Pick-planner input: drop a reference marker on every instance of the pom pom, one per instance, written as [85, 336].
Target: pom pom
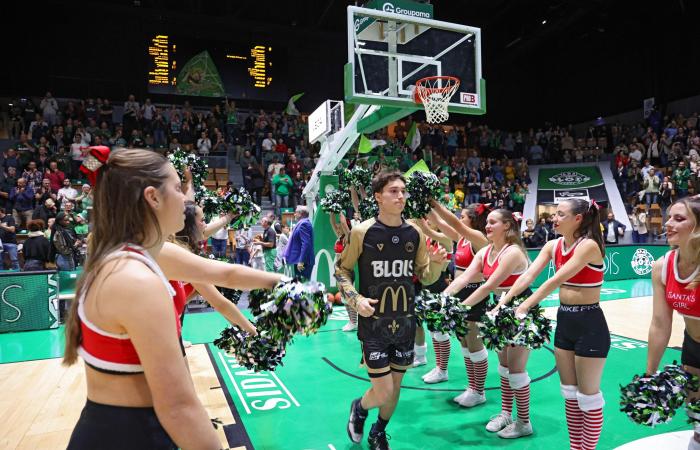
[335, 201]
[442, 313]
[240, 204]
[232, 295]
[692, 408]
[421, 188]
[293, 307]
[358, 177]
[255, 353]
[368, 208]
[505, 328]
[198, 166]
[653, 399]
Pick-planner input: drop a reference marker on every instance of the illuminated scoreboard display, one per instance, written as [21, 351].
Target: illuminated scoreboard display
[253, 71]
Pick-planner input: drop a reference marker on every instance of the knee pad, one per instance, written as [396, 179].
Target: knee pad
[440, 337]
[590, 402]
[479, 356]
[518, 380]
[569, 391]
[503, 371]
[465, 352]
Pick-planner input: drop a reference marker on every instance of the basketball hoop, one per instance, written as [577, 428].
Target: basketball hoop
[435, 94]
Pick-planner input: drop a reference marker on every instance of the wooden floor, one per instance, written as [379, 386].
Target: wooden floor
[42, 400]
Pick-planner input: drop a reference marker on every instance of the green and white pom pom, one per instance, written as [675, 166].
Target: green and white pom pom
[210, 202]
[654, 399]
[421, 188]
[442, 313]
[232, 295]
[241, 204]
[293, 308]
[198, 166]
[358, 177]
[368, 207]
[256, 353]
[505, 329]
[335, 201]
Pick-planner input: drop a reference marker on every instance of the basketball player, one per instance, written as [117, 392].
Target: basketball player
[501, 263]
[582, 339]
[671, 277]
[387, 251]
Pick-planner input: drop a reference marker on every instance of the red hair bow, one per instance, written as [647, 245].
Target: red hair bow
[592, 204]
[482, 208]
[517, 216]
[94, 161]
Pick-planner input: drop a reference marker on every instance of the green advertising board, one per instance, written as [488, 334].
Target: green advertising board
[324, 238]
[28, 301]
[569, 178]
[622, 262]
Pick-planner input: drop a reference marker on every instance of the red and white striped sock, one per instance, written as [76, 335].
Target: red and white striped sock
[438, 353]
[592, 426]
[506, 391]
[480, 360]
[522, 400]
[574, 422]
[592, 408]
[445, 349]
[469, 365]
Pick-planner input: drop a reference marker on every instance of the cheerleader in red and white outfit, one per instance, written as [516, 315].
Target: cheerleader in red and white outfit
[582, 338]
[501, 263]
[469, 233]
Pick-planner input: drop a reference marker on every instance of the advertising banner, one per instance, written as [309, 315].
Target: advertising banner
[28, 301]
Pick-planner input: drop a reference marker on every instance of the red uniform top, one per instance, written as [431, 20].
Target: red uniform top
[683, 300]
[339, 245]
[464, 254]
[590, 276]
[182, 292]
[111, 352]
[489, 269]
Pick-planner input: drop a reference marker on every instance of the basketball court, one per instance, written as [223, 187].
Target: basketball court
[304, 404]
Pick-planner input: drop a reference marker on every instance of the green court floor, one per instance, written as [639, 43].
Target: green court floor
[304, 404]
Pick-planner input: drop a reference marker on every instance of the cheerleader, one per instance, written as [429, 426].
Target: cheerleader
[437, 235]
[501, 263]
[469, 233]
[671, 277]
[342, 233]
[582, 339]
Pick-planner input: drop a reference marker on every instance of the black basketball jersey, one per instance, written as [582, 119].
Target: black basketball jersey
[387, 258]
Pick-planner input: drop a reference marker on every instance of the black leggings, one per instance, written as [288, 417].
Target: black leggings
[110, 427]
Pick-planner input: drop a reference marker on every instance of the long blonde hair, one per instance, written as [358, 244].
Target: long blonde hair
[121, 215]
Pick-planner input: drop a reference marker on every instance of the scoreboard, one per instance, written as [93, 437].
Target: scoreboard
[190, 67]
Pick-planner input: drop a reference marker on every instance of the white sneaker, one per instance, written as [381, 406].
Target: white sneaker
[435, 376]
[499, 422]
[350, 326]
[471, 398]
[429, 373]
[515, 430]
[186, 344]
[419, 361]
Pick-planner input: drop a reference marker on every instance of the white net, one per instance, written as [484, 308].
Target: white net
[435, 94]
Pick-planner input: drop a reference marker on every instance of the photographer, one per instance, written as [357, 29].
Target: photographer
[64, 243]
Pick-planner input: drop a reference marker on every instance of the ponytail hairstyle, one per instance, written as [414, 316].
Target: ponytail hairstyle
[121, 215]
[478, 213]
[692, 205]
[590, 224]
[513, 221]
[187, 237]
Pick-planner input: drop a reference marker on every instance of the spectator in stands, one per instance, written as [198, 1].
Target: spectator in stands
[273, 169]
[268, 242]
[268, 144]
[651, 186]
[33, 176]
[243, 241]
[532, 238]
[220, 144]
[300, 249]
[69, 211]
[544, 228]
[635, 153]
[293, 166]
[131, 108]
[282, 230]
[680, 180]
[620, 176]
[22, 199]
[536, 153]
[56, 177]
[219, 242]
[43, 193]
[66, 193]
[8, 183]
[283, 187]
[298, 189]
[45, 210]
[84, 200]
[638, 219]
[613, 230]
[11, 160]
[36, 248]
[8, 237]
[49, 108]
[254, 181]
[64, 243]
[203, 144]
[665, 197]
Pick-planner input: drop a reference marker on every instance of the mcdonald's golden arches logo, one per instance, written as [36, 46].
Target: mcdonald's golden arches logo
[394, 299]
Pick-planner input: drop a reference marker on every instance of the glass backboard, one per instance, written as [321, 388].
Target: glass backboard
[389, 52]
